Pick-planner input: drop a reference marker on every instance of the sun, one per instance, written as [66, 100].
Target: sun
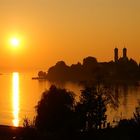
[14, 42]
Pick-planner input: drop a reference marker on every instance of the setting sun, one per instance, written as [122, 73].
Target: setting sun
[14, 42]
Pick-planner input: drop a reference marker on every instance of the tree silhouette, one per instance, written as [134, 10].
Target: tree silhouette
[42, 74]
[55, 110]
[137, 115]
[92, 107]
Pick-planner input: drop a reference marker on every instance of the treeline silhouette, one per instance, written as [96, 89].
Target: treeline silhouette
[123, 71]
[60, 116]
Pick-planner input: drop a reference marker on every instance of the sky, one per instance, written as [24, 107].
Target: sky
[69, 30]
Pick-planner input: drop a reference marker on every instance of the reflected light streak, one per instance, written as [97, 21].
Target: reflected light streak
[15, 83]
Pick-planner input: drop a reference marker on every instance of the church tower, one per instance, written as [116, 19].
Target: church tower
[116, 54]
[124, 52]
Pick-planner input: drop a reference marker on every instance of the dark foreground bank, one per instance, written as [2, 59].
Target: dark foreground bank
[19, 133]
[9, 132]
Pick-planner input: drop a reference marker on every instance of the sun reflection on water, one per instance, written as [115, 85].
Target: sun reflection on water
[15, 100]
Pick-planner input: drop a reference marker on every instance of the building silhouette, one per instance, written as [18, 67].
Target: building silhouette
[116, 54]
[124, 53]
[116, 57]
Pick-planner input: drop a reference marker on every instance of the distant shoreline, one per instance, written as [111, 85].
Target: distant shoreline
[120, 71]
[115, 82]
[39, 78]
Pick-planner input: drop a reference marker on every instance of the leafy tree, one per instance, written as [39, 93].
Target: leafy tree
[92, 107]
[55, 110]
[137, 115]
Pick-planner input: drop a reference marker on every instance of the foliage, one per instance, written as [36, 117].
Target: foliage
[92, 107]
[42, 74]
[55, 110]
[137, 114]
[27, 123]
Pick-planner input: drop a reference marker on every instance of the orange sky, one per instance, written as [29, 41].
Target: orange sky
[69, 30]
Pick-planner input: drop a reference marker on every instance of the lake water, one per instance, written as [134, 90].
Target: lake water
[19, 95]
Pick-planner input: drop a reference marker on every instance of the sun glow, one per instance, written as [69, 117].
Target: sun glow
[15, 42]
[15, 82]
